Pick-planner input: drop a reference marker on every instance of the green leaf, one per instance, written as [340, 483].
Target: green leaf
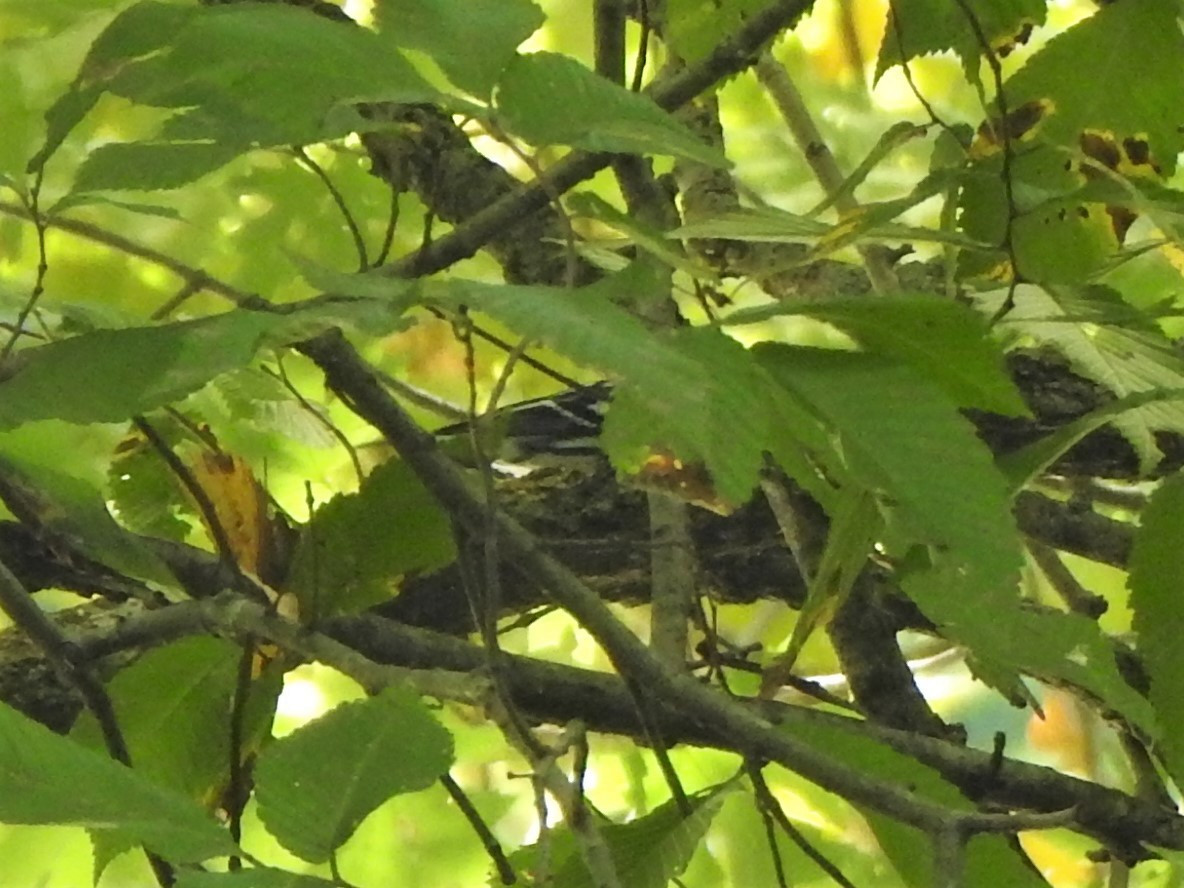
[1007, 638]
[135, 33]
[991, 862]
[694, 29]
[1156, 565]
[550, 99]
[855, 527]
[1135, 54]
[472, 42]
[358, 546]
[1023, 466]
[83, 199]
[902, 437]
[149, 166]
[75, 509]
[900, 133]
[172, 705]
[648, 852]
[920, 27]
[315, 786]
[769, 225]
[945, 342]
[1056, 236]
[110, 375]
[653, 241]
[245, 74]
[1128, 359]
[47, 779]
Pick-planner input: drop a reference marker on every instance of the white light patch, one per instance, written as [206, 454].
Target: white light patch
[300, 702]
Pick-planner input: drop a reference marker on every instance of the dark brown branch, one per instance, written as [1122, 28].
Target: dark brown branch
[556, 694]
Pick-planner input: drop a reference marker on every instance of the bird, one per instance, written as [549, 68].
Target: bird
[563, 430]
[564, 425]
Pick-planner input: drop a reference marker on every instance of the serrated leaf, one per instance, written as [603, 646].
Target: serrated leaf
[47, 779]
[945, 342]
[1136, 67]
[1024, 465]
[246, 74]
[1009, 638]
[647, 852]
[173, 704]
[550, 99]
[472, 42]
[151, 166]
[358, 546]
[920, 27]
[259, 401]
[136, 32]
[110, 375]
[1156, 565]
[901, 436]
[1129, 359]
[315, 786]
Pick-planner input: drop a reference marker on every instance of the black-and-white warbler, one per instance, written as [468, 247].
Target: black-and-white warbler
[566, 424]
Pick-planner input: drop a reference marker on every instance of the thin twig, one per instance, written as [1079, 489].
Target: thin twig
[785, 95]
[488, 840]
[768, 802]
[339, 200]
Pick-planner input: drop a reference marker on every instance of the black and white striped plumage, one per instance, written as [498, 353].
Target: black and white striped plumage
[564, 424]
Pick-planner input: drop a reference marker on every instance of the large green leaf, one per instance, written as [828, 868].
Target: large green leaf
[919, 27]
[1157, 563]
[550, 99]
[904, 439]
[137, 32]
[647, 852]
[358, 546]
[110, 375]
[1133, 72]
[315, 786]
[1007, 637]
[148, 166]
[945, 342]
[47, 779]
[173, 704]
[245, 74]
[471, 40]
